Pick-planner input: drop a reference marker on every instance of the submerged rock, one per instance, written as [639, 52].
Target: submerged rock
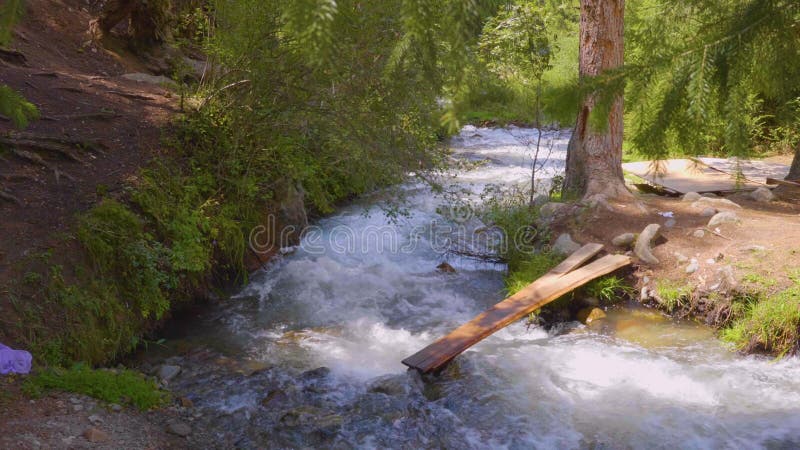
[391, 385]
[565, 245]
[643, 249]
[446, 268]
[589, 315]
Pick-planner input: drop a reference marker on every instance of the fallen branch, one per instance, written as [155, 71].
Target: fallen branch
[717, 234]
[46, 146]
[133, 96]
[220, 90]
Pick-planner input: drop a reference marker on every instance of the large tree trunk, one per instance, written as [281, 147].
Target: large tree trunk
[794, 171]
[594, 156]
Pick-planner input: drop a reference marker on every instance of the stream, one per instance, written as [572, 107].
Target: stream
[308, 354]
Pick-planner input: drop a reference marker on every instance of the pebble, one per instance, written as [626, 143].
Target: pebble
[670, 223]
[681, 258]
[115, 407]
[95, 419]
[692, 267]
[168, 372]
[700, 234]
[95, 435]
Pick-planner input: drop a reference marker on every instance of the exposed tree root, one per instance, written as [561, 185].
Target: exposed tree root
[13, 57]
[52, 144]
[5, 195]
[132, 96]
[36, 159]
[44, 146]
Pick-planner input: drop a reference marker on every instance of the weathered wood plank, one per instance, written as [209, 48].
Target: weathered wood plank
[561, 280]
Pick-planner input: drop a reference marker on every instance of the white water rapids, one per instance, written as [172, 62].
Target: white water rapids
[360, 295]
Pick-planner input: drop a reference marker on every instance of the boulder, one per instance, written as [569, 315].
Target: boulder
[565, 245]
[643, 248]
[714, 202]
[723, 217]
[763, 195]
[624, 240]
[691, 197]
[589, 315]
[549, 210]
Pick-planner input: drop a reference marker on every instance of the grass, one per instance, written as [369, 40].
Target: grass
[117, 386]
[529, 269]
[672, 294]
[767, 322]
[609, 289]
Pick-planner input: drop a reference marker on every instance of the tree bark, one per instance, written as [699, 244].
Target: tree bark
[794, 171]
[594, 157]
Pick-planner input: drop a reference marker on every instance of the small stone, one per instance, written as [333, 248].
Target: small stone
[446, 268]
[699, 234]
[168, 372]
[589, 315]
[179, 429]
[670, 223]
[691, 197]
[643, 248]
[723, 217]
[74, 400]
[95, 435]
[565, 245]
[692, 267]
[186, 402]
[116, 408]
[681, 258]
[708, 212]
[763, 195]
[624, 240]
[711, 261]
[95, 419]
[77, 408]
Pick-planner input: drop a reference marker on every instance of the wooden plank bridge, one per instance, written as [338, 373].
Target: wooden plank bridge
[564, 278]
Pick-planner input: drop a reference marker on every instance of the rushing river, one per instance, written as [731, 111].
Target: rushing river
[308, 354]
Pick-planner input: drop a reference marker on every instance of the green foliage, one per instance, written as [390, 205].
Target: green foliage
[15, 107]
[529, 269]
[113, 386]
[672, 294]
[609, 289]
[11, 12]
[766, 322]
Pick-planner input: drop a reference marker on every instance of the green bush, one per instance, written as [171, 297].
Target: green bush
[768, 323]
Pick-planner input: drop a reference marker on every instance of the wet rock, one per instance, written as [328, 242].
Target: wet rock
[167, 372]
[589, 315]
[179, 429]
[643, 249]
[315, 374]
[446, 268]
[763, 195]
[186, 402]
[691, 197]
[391, 385]
[624, 240]
[723, 217]
[565, 245]
[273, 397]
[310, 416]
[693, 267]
[699, 234]
[95, 435]
[591, 301]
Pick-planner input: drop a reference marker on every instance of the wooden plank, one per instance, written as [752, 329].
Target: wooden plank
[686, 175]
[753, 170]
[554, 284]
[793, 184]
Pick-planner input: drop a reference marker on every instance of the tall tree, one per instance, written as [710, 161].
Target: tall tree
[594, 155]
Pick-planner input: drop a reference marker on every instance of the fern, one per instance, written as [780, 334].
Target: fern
[15, 107]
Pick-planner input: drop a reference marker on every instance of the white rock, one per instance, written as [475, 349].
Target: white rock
[762, 194]
[708, 212]
[643, 249]
[681, 258]
[699, 234]
[168, 372]
[692, 267]
[719, 203]
[723, 217]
